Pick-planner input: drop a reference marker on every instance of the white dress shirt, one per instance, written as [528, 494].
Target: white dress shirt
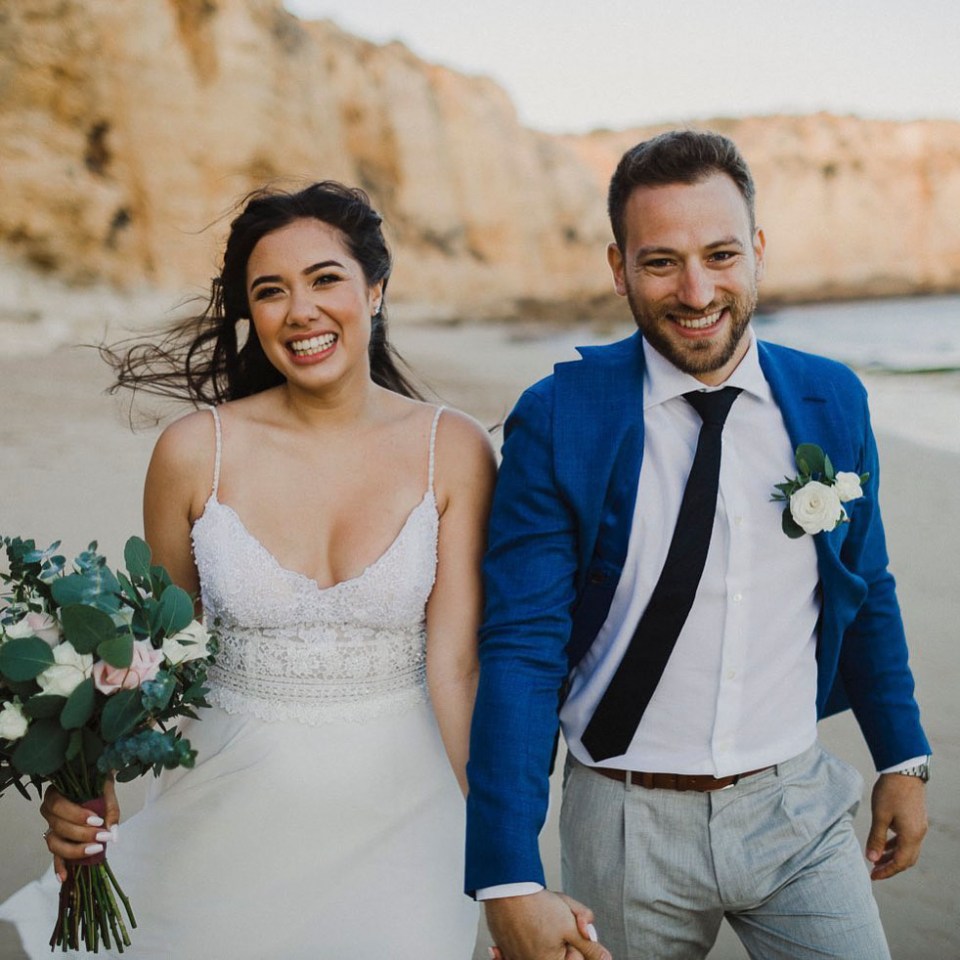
[739, 690]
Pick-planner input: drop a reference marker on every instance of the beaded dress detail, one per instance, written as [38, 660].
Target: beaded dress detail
[292, 650]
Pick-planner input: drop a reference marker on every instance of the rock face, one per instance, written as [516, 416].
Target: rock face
[129, 130]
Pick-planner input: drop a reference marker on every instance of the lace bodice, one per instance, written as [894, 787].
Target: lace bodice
[292, 650]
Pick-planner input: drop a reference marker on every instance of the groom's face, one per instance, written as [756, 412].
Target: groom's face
[690, 272]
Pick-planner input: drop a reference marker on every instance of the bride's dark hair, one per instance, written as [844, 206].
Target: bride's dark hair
[205, 358]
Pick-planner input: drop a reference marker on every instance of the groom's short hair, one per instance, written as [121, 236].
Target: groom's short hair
[678, 156]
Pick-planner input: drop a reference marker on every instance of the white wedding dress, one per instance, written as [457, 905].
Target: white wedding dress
[322, 819]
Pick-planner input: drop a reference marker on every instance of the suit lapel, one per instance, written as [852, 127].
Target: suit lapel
[813, 413]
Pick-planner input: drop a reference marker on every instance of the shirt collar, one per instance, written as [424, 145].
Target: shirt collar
[663, 381]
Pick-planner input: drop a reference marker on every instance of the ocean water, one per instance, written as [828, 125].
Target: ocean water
[907, 335]
[907, 351]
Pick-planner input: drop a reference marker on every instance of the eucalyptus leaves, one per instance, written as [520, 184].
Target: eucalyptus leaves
[815, 497]
[93, 668]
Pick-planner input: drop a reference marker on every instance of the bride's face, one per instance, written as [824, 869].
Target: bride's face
[311, 305]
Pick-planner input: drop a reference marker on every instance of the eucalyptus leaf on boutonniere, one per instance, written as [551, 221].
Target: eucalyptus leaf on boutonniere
[815, 497]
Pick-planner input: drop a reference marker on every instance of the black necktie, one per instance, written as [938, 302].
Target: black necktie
[614, 722]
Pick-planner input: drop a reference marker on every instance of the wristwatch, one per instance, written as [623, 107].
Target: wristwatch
[919, 770]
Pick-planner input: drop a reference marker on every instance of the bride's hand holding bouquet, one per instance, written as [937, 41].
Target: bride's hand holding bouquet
[94, 666]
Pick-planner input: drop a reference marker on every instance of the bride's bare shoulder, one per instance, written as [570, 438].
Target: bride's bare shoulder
[465, 460]
[184, 457]
[187, 438]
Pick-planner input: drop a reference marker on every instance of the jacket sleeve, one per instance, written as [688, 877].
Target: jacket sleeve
[529, 579]
[873, 667]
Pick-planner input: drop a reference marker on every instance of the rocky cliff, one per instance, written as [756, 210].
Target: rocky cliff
[128, 130]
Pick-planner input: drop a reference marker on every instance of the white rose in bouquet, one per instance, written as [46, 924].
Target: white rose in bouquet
[189, 644]
[13, 723]
[816, 507]
[69, 670]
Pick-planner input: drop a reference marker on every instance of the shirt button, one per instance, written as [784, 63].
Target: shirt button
[731, 674]
[737, 597]
[738, 520]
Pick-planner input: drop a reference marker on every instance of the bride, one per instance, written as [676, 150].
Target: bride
[332, 523]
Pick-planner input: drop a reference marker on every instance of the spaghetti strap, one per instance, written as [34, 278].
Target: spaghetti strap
[216, 464]
[433, 444]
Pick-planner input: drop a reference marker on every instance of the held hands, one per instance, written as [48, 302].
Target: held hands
[74, 831]
[542, 926]
[899, 807]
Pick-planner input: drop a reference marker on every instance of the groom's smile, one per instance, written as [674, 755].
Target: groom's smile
[697, 323]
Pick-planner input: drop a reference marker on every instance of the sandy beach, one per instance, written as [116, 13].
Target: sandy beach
[72, 470]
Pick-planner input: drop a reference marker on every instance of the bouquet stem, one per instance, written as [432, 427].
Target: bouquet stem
[89, 911]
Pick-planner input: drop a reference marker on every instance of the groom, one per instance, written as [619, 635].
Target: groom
[639, 574]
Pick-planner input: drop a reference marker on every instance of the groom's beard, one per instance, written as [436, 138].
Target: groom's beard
[695, 356]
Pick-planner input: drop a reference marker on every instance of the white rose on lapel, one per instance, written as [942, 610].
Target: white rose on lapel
[815, 507]
[848, 487]
[815, 497]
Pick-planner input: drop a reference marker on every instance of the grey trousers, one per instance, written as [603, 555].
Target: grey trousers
[775, 854]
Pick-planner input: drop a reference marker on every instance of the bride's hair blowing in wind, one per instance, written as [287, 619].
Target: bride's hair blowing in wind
[216, 356]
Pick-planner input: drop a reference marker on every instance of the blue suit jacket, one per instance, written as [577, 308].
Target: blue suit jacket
[558, 536]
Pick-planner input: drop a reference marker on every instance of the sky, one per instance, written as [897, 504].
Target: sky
[578, 65]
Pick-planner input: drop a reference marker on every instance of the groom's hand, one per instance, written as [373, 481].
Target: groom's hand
[899, 824]
[542, 926]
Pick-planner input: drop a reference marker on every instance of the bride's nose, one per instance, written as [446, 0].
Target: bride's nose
[303, 308]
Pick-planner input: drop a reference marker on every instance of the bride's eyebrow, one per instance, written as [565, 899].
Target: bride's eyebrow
[276, 278]
[321, 266]
[272, 278]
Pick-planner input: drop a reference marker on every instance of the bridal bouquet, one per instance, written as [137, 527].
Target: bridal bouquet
[94, 665]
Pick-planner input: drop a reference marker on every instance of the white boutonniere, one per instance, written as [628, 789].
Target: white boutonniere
[815, 497]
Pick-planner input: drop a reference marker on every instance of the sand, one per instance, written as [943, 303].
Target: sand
[72, 470]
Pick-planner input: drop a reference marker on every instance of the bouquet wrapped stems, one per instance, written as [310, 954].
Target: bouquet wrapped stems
[88, 909]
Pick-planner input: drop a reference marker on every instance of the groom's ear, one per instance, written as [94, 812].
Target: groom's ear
[615, 259]
[759, 248]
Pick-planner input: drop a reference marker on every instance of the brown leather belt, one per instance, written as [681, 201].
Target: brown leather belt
[701, 783]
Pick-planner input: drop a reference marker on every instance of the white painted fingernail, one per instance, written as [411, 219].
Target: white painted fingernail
[94, 821]
[592, 932]
[104, 836]
[93, 848]
[115, 833]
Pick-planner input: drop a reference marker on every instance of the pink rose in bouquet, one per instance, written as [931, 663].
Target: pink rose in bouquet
[144, 666]
[35, 624]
